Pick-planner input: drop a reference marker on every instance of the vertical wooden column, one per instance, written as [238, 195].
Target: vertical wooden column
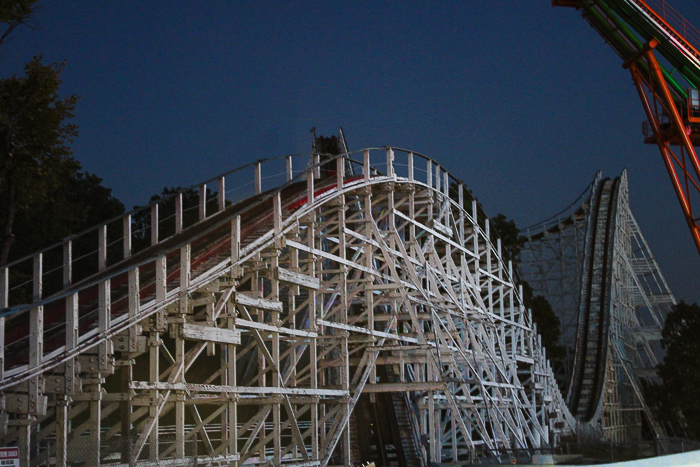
[95, 421]
[290, 173]
[453, 421]
[134, 305]
[71, 381]
[222, 193]
[176, 333]
[366, 168]
[235, 246]
[340, 172]
[317, 166]
[275, 337]
[62, 404]
[475, 235]
[369, 260]
[228, 356]
[231, 349]
[344, 350]
[67, 263]
[202, 202]
[258, 177]
[390, 163]
[489, 280]
[309, 187]
[437, 179]
[4, 303]
[154, 343]
[317, 410]
[412, 246]
[104, 350]
[24, 439]
[154, 224]
[429, 177]
[463, 266]
[36, 335]
[126, 236]
[178, 212]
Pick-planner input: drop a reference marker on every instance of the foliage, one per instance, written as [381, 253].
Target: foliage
[680, 371]
[13, 13]
[510, 236]
[548, 324]
[77, 202]
[34, 155]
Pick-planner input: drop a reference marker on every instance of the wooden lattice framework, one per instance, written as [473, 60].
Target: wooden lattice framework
[248, 335]
[636, 303]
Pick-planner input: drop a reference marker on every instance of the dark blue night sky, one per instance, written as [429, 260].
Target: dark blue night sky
[522, 101]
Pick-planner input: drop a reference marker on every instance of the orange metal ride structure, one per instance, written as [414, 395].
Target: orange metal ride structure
[639, 30]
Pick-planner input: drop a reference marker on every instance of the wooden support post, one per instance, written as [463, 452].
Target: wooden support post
[37, 283]
[429, 169]
[71, 381]
[366, 168]
[461, 213]
[316, 408]
[258, 177]
[153, 377]
[4, 287]
[102, 247]
[437, 178]
[276, 364]
[178, 212]
[4, 301]
[71, 373]
[154, 224]
[343, 318]
[36, 336]
[317, 166]
[277, 214]
[24, 441]
[126, 236]
[62, 431]
[2, 355]
[202, 202]
[235, 246]
[104, 323]
[290, 173]
[154, 344]
[185, 253]
[309, 187]
[446, 183]
[125, 414]
[410, 166]
[340, 172]
[222, 193]
[67, 263]
[179, 377]
[134, 305]
[390, 163]
[93, 455]
[161, 291]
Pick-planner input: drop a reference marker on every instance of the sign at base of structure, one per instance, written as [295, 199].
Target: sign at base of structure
[9, 457]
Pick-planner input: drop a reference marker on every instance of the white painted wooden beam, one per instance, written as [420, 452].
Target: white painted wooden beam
[210, 334]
